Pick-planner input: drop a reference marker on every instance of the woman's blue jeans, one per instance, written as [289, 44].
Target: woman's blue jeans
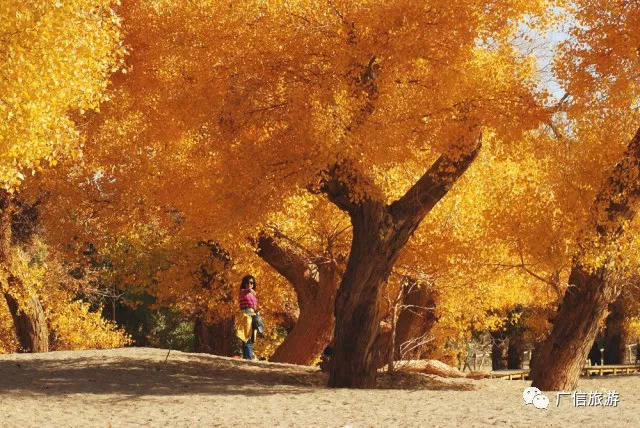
[247, 349]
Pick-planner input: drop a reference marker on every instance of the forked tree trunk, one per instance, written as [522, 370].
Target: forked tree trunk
[216, 338]
[558, 360]
[315, 285]
[380, 232]
[30, 324]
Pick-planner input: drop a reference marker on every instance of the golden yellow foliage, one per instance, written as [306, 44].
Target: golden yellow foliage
[242, 106]
[55, 58]
[72, 324]
[76, 327]
[228, 112]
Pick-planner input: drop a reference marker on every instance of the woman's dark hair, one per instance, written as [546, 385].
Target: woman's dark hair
[246, 280]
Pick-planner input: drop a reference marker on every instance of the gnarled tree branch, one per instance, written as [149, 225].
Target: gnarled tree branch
[291, 265]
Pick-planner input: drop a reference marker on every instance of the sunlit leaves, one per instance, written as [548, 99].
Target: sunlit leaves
[55, 58]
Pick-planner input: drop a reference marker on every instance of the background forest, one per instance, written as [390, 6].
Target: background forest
[406, 179]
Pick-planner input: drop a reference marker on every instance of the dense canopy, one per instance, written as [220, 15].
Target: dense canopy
[340, 151]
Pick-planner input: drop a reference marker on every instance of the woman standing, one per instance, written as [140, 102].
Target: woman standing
[248, 306]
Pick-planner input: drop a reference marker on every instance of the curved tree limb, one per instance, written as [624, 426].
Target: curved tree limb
[297, 269]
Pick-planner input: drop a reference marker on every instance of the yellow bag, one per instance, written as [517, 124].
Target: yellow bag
[243, 326]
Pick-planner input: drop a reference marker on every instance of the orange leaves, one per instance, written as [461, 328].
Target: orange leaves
[227, 113]
[268, 95]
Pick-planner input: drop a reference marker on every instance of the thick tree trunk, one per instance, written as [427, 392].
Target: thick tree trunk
[315, 285]
[217, 338]
[309, 336]
[515, 351]
[375, 247]
[380, 232]
[31, 325]
[498, 350]
[615, 338]
[558, 360]
[357, 312]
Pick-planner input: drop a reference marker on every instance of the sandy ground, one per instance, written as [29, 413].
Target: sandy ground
[135, 386]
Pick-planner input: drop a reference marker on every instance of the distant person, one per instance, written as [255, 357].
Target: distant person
[250, 321]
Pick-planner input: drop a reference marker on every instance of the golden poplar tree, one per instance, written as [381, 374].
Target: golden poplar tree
[55, 58]
[244, 105]
[600, 65]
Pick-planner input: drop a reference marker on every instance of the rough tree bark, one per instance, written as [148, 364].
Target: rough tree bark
[615, 338]
[315, 282]
[30, 325]
[558, 360]
[380, 232]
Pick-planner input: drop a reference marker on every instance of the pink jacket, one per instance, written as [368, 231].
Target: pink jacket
[248, 299]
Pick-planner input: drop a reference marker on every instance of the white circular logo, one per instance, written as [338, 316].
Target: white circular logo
[540, 401]
[530, 393]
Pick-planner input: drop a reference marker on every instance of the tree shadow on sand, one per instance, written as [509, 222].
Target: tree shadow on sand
[133, 377]
[136, 372]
